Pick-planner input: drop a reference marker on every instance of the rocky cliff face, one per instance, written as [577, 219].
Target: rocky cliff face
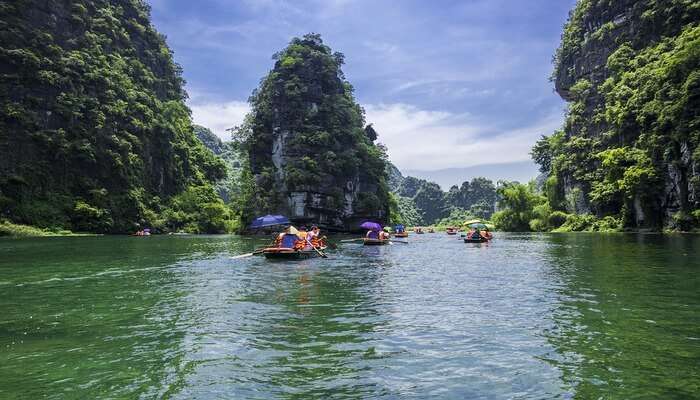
[308, 149]
[621, 66]
[94, 132]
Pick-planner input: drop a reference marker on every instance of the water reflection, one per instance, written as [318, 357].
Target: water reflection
[528, 316]
[628, 317]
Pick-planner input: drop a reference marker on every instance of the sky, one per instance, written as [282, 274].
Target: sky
[447, 84]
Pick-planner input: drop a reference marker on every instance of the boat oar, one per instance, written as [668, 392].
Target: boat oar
[328, 243]
[351, 240]
[397, 241]
[259, 251]
[320, 253]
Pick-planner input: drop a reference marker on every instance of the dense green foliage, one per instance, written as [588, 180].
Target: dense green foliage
[403, 211]
[523, 208]
[519, 203]
[305, 114]
[94, 132]
[630, 149]
[209, 139]
[473, 199]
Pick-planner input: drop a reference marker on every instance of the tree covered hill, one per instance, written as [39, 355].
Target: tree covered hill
[94, 131]
[307, 147]
[629, 151]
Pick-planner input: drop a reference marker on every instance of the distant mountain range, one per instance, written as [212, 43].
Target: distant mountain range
[523, 172]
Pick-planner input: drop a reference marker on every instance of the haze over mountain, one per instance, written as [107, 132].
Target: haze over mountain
[518, 171]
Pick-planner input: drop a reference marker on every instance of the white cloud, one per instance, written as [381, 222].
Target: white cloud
[430, 140]
[220, 116]
[417, 138]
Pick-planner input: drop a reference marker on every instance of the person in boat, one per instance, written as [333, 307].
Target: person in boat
[314, 237]
[475, 235]
[372, 234]
[486, 234]
[383, 235]
[288, 239]
[304, 238]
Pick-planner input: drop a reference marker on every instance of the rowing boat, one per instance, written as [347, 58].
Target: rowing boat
[375, 242]
[283, 253]
[401, 234]
[479, 240]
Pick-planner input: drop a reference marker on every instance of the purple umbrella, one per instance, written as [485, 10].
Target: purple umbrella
[372, 226]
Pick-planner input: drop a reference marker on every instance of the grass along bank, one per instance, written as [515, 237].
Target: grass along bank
[8, 229]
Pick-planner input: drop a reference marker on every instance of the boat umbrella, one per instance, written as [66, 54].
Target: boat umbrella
[372, 226]
[480, 226]
[473, 221]
[269, 220]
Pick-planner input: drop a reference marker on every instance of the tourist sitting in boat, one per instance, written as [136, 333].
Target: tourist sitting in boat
[384, 235]
[474, 235]
[372, 234]
[304, 239]
[288, 239]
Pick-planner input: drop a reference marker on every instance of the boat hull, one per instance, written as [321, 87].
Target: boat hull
[374, 242]
[480, 240]
[401, 235]
[288, 254]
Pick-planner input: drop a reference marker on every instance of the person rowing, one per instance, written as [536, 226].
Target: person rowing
[314, 237]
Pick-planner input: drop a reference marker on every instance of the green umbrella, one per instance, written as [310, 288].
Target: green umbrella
[480, 226]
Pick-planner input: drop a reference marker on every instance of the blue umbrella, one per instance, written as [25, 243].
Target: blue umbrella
[269, 220]
[372, 226]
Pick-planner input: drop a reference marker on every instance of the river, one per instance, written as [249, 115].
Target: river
[527, 316]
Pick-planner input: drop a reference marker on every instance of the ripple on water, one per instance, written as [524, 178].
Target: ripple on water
[526, 316]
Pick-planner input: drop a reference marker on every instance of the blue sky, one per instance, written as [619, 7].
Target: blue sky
[448, 84]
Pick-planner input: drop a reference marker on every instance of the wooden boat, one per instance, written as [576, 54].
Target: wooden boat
[375, 242]
[420, 232]
[401, 234]
[479, 240]
[431, 230]
[284, 253]
[451, 231]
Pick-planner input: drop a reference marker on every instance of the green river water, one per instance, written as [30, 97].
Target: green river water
[528, 316]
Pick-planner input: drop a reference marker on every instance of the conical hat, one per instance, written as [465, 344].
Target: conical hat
[292, 230]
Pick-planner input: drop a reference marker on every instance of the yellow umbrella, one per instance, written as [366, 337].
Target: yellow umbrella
[473, 221]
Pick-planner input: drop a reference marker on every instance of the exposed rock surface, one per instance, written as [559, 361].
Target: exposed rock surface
[309, 151]
[595, 31]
